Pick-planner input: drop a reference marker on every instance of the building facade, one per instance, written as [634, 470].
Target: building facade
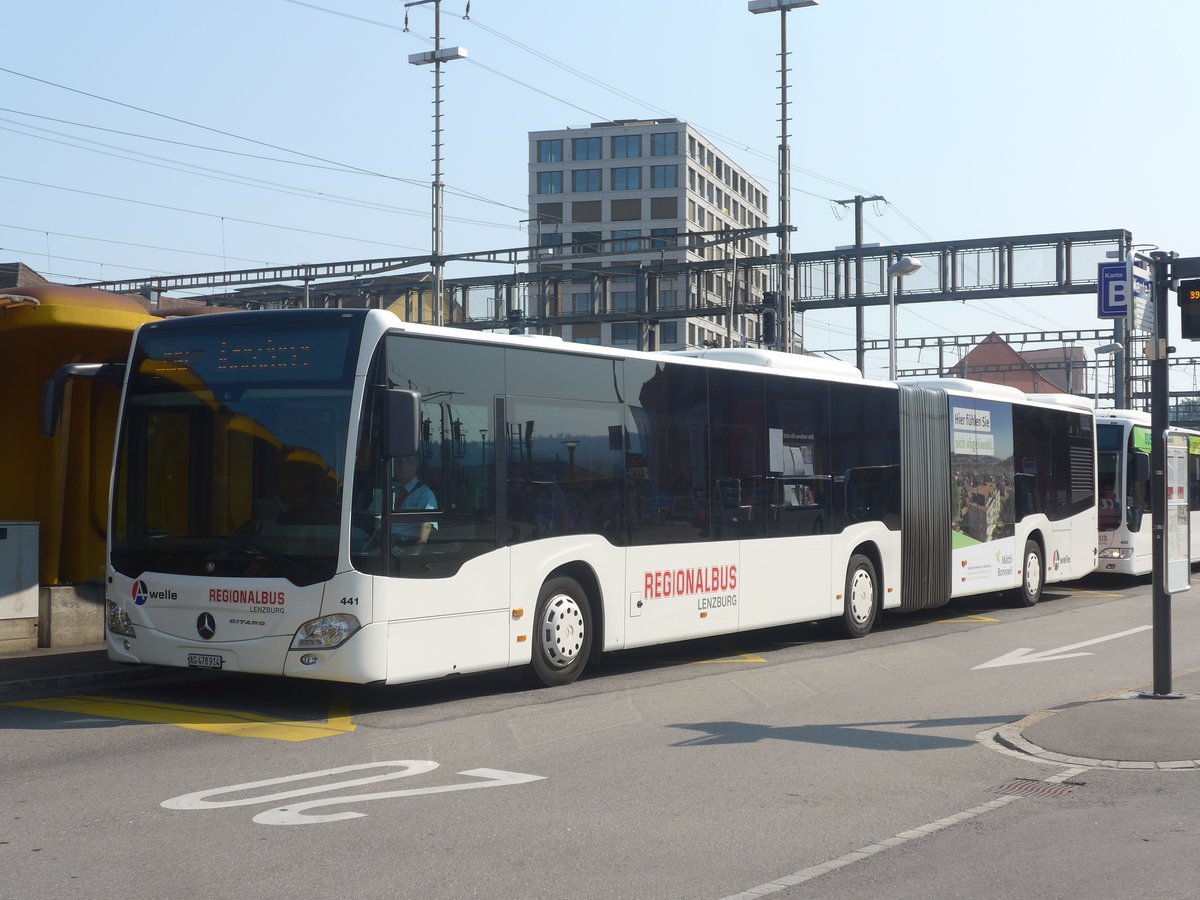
[607, 206]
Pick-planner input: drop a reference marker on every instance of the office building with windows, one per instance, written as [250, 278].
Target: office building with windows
[628, 189]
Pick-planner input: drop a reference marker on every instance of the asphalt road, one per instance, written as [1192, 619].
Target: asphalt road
[707, 769]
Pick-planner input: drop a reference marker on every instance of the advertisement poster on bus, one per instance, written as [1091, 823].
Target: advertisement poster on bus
[982, 511]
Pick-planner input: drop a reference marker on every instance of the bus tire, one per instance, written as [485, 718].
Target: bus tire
[862, 598]
[1033, 575]
[562, 633]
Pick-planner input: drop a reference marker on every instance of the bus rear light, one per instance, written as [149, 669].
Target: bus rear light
[119, 621]
[326, 632]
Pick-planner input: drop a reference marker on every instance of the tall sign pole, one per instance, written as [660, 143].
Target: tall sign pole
[1160, 398]
[1168, 459]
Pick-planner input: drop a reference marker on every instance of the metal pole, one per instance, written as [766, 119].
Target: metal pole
[437, 57]
[1160, 396]
[891, 284]
[1121, 336]
[733, 287]
[784, 329]
[860, 352]
[436, 265]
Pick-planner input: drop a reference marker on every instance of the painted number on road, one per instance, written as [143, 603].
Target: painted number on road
[299, 813]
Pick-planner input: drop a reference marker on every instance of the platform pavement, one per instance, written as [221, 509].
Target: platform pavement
[1128, 729]
[1124, 730]
[31, 672]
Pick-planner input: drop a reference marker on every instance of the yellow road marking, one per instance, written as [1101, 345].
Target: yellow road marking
[1087, 593]
[736, 658]
[196, 718]
[965, 618]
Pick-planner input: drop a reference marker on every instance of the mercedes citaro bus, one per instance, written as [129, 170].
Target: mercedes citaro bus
[584, 499]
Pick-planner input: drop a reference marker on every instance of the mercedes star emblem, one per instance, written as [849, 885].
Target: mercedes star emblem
[206, 625]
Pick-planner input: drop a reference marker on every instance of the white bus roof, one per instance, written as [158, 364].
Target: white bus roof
[1071, 401]
[797, 364]
[1124, 416]
[773, 359]
[1002, 392]
[967, 386]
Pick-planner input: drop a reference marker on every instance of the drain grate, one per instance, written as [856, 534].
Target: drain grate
[1029, 787]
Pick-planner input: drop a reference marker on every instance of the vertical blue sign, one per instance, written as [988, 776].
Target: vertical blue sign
[1113, 291]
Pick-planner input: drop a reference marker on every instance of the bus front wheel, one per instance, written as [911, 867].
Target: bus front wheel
[1033, 575]
[862, 598]
[562, 632]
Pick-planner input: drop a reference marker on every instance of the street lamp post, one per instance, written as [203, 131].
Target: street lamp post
[570, 445]
[905, 265]
[436, 57]
[783, 337]
[1114, 347]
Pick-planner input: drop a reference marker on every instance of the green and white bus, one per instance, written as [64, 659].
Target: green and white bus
[1123, 440]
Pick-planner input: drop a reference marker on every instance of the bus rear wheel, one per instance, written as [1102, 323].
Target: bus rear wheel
[862, 598]
[1033, 575]
[562, 632]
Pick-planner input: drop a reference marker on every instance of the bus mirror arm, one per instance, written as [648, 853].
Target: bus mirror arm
[56, 385]
[402, 422]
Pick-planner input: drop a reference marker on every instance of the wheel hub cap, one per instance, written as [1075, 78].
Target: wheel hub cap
[562, 630]
[862, 596]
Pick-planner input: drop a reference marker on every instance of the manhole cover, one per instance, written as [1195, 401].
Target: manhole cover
[1029, 787]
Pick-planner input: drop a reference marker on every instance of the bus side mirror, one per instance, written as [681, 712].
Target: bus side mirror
[402, 422]
[1141, 465]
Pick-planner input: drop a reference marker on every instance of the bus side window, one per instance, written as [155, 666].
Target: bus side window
[1193, 481]
[1025, 490]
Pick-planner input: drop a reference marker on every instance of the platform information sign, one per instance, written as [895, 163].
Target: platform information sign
[1178, 538]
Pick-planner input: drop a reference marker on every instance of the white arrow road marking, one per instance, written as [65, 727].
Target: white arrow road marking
[295, 814]
[199, 799]
[1027, 654]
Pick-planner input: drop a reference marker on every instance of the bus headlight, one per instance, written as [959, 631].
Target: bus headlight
[325, 633]
[118, 620]
[1117, 553]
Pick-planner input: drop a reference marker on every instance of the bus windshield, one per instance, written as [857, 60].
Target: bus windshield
[231, 453]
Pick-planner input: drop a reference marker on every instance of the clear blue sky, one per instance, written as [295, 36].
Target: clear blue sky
[973, 119]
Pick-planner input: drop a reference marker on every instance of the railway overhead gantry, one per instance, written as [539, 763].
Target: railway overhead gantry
[530, 294]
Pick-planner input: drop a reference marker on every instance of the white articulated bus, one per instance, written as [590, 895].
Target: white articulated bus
[337, 494]
[1123, 442]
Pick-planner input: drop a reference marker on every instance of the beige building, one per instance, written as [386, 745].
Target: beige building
[635, 186]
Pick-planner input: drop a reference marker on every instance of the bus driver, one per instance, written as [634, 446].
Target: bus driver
[410, 493]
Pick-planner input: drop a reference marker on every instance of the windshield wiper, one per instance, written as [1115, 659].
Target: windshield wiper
[291, 566]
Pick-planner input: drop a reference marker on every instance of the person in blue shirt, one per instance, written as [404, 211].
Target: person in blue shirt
[410, 493]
